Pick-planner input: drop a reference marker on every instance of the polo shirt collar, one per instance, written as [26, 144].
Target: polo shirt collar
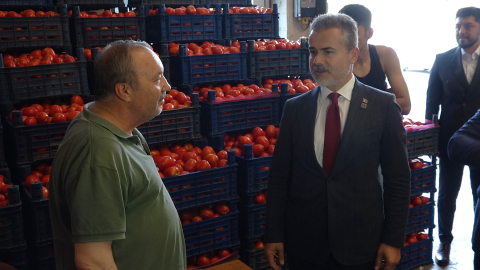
[89, 115]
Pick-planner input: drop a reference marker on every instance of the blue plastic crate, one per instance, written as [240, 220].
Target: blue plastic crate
[197, 69]
[416, 254]
[25, 3]
[221, 117]
[11, 223]
[424, 172]
[248, 198]
[17, 257]
[252, 220]
[421, 217]
[88, 32]
[183, 124]
[212, 234]
[44, 81]
[423, 185]
[163, 28]
[277, 62]
[46, 264]
[37, 209]
[170, 3]
[423, 142]
[239, 3]
[250, 26]
[38, 31]
[198, 188]
[92, 3]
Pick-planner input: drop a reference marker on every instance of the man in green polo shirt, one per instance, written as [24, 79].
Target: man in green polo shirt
[109, 207]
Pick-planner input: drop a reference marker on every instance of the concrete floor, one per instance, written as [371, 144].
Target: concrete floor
[461, 253]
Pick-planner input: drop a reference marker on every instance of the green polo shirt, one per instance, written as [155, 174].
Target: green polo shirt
[104, 186]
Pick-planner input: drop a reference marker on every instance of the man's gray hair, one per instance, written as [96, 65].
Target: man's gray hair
[340, 21]
[114, 64]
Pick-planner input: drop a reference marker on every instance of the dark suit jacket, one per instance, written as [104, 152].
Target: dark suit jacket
[448, 86]
[464, 147]
[343, 213]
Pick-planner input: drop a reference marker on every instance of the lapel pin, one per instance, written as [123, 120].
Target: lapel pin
[364, 103]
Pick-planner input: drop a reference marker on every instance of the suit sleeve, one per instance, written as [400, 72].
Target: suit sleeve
[396, 177]
[464, 146]
[278, 178]
[434, 92]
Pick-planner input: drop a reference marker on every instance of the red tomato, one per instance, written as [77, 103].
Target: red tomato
[256, 132]
[203, 165]
[55, 109]
[72, 115]
[45, 180]
[203, 261]
[186, 215]
[222, 163]
[30, 121]
[212, 159]
[42, 117]
[424, 199]
[189, 155]
[171, 171]
[36, 173]
[272, 141]
[242, 140]
[168, 106]
[263, 141]
[180, 11]
[30, 111]
[207, 150]
[222, 209]
[59, 117]
[45, 192]
[163, 162]
[30, 179]
[270, 131]
[181, 98]
[130, 14]
[206, 213]
[270, 149]
[422, 236]
[259, 245]
[260, 198]
[258, 150]
[48, 169]
[222, 154]
[416, 201]
[48, 51]
[412, 240]
[190, 165]
[191, 10]
[214, 259]
[223, 253]
[196, 219]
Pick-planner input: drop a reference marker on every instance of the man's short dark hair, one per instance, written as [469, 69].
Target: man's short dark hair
[114, 64]
[359, 13]
[469, 11]
[340, 21]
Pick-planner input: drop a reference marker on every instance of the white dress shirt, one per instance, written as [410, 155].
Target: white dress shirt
[322, 106]
[469, 62]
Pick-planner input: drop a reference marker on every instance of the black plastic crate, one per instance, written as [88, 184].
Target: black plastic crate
[277, 62]
[183, 124]
[257, 260]
[284, 96]
[47, 264]
[239, 3]
[38, 31]
[231, 115]
[26, 3]
[11, 223]
[163, 28]
[92, 3]
[31, 143]
[41, 252]
[36, 210]
[248, 198]
[198, 188]
[15, 257]
[212, 234]
[423, 142]
[44, 81]
[250, 26]
[197, 69]
[252, 220]
[3, 162]
[88, 32]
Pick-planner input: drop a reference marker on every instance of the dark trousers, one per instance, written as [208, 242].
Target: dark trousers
[332, 264]
[476, 261]
[449, 185]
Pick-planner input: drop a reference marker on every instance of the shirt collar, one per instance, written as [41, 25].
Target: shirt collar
[473, 56]
[345, 91]
[89, 115]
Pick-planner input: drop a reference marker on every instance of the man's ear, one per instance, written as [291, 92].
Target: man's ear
[123, 91]
[369, 33]
[354, 55]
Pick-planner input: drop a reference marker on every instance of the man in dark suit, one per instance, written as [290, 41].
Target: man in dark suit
[455, 84]
[326, 206]
[464, 148]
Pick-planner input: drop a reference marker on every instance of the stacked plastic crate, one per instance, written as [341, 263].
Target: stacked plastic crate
[421, 140]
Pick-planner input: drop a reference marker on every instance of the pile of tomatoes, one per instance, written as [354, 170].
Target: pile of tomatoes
[3, 191]
[417, 163]
[203, 213]
[295, 85]
[415, 237]
[226, 91]
[206, 48]
[262, 141]
[46, 56]
[41, 174]
[105, 14]
[50, 113]
[28, 13]
[279, 44]
[249, 10]
[407, 122]
[176, 100]
[419, 200]
[178, 160]
[207, 258]
[190, 10]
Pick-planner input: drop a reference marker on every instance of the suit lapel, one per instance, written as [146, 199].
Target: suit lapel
[457, 66]
[309, 114]
[474, 85]
[354, 120]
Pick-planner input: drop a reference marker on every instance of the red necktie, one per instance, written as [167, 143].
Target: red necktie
[332, 133]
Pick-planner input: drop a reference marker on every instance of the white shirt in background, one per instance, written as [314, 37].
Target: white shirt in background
[470, 62]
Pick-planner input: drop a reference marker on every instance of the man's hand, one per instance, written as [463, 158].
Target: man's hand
[272, 250]
[387, 257]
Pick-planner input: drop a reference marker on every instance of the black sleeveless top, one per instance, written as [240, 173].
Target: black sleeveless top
[376, 77]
